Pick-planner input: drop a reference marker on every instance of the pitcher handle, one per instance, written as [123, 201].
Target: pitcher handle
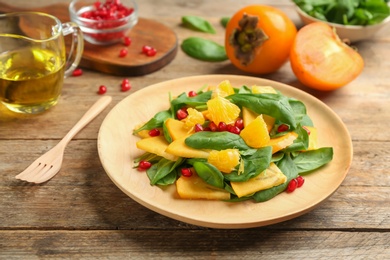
[77, 47]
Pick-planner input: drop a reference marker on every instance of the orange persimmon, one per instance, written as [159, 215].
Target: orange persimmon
[258, 39]
[320, 60]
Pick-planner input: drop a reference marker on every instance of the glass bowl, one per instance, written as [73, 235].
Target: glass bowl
[352, 33]
[104, 22]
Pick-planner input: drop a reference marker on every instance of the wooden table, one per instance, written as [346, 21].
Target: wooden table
[80, 213]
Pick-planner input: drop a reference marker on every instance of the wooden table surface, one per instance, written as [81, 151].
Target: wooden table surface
[80, 213]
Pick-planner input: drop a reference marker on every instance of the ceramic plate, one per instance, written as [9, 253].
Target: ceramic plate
[117, 150]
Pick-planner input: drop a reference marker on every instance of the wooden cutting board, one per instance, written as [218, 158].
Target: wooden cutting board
[106, 58]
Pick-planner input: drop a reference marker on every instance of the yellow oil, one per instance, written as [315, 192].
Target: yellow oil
[31, 79]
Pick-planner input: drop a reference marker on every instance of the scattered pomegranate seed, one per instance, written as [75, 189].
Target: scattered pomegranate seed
[192, 93]
[222, 127]
[77, 72]
[144, 165]
[127, 41]
[198, 128]
[307, 129]
[186, 172]
[292, 185]
[283, 128]
[213, 127]
[151, 53]
[181, 113]
[125, 86]
[102, 90]
[123, 52]
[234, 129]
[239, 123]
[154, 132]
[148, 50]
[300, 181]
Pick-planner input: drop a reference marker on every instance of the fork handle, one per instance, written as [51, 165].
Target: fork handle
[92, 112]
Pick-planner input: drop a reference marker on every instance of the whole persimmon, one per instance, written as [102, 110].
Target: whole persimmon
[320, 60]
[258, 39]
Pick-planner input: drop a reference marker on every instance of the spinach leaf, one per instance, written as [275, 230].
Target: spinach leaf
[287, 166]
[209, 173]
[300, 113]
[347, 12]
[184, 100]
[156, 121]
[254, 164]
[161, 169]
[224, 21]
[216, 141]
[197, 23]
[167, 136]
[311, 160]
[275, 105]
[301, 143]
[203, 49]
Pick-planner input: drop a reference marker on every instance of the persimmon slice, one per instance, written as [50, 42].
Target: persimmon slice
[320, 60]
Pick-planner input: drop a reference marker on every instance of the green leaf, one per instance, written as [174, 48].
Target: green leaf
[203, 49]
[312, 160]
[224, 21]
[197, 23]
[156, 121]
[254, 164]
[216, 141]
[161, 169]
[209, 173]
[275, 105]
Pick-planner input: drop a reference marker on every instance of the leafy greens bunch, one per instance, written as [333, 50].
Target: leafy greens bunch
[346, 12]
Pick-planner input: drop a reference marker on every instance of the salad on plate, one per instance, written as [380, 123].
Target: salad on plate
[230, 144]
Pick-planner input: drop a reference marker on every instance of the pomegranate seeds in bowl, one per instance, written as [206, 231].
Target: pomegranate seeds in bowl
[104, 23]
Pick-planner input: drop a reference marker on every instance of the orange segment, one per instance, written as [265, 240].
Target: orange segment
[248, 116]
[263, 89]
[255, 134]
[222, 110]
[194, 117]
[224, 89]
[224, 160]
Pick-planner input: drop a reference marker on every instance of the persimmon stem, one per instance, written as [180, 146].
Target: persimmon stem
[247, 38]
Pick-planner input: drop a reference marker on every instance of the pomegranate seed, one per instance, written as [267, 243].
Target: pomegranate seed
[102, 90]
[192, 93]
[292, 185]
[198, 128]
[283, 128]
[186, 172]
[123, 52]
[151, 52]
[234, 129]
[213, 127]
[154, 132]
[144, 165]
[222, 127]
[300, 181]
[206, 129]
[307, 129]
[146, 48]
[239, 123]
[181, 113]
[127, 41]
[77, 72]
[125, 86]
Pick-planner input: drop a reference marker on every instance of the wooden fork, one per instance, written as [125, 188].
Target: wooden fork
[48, 165]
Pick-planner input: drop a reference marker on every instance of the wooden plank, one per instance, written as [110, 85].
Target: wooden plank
[201, 244]
[82, 196]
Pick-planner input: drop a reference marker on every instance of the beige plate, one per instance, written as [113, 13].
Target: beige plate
[117, 151]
